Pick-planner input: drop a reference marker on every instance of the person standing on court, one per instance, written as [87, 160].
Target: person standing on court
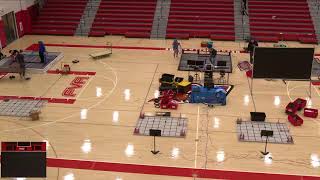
[20, 59]
[252, 44]
[244, 2]
[42, 51]
[175, 46]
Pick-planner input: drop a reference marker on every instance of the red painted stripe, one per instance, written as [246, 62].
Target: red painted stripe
[72, 72]
[170, 171]
[2, 75]
[316, 83]
[34, 47]
[50, 100]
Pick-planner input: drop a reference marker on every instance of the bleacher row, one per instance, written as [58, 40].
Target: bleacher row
[124, 17]
[201, 18]
[288, 20]
[270, 20]
[59, 17]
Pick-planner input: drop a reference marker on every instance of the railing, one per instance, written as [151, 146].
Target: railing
[317, 4]
[91, 7]
[160, 18]
[244, 13]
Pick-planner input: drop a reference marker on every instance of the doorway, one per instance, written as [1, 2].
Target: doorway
[10, 27]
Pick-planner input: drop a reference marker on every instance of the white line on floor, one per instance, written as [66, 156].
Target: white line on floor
[85, 86]
[197, 138]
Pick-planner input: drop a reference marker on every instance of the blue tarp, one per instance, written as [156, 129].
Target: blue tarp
[201, 94]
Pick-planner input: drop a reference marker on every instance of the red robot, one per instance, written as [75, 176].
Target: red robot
[291, 108]
[295, 120]
[300, 103]
[308, 112]
[167, 100]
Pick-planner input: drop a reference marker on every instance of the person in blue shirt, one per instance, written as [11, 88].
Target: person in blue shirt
[42, 51]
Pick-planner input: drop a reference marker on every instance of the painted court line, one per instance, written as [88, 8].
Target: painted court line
[85, 86]
[2, 75]
[72, 72]
[197, 139]
[34, 47]
[50, 100]
[170, 171]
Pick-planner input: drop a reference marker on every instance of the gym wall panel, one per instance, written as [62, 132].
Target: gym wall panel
[25, 11]
[3, 39]
[20, 20]
[7, 6]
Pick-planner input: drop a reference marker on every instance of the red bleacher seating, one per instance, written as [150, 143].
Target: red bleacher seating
[124, 17]
[137, 34]
[178, 36]
[201, 18]
[98, 33]
[272, 21]
[59, 17]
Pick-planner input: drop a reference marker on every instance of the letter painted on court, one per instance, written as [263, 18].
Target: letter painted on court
[76, 83]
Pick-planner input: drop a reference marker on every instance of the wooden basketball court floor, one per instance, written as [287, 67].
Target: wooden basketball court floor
[97, 130]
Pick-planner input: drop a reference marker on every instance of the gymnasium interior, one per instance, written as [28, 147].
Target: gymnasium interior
[160, 89]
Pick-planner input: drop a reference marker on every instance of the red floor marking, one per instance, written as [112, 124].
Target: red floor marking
[170, 171]
[34, 47]
[316, 83]
[72, 72]
[50, 100]
[2, 75]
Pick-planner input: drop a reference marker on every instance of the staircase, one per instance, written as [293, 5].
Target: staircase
[87, 18]
[314, 8]
[242, 29]
[160, 20]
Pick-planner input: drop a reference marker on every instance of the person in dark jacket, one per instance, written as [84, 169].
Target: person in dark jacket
[20, 60]
[244, 4]
[175, 46]
[42, 51]
[252, 44]
[213, 54]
